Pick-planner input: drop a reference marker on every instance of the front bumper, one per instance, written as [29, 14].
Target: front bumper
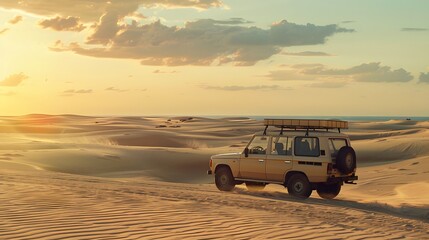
[209, 172]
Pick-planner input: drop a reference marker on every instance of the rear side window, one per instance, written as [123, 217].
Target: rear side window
[335, 144]
[307, 146]
[281, 146]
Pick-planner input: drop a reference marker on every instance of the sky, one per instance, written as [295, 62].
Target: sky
[215, 57]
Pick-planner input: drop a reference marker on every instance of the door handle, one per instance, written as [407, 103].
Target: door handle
[261, 160]
[287, 161]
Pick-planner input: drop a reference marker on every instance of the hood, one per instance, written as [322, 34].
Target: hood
[226, 156]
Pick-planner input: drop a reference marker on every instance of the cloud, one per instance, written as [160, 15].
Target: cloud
[63, 24]
[308, 54]
[91, 10]
[367, 72]
[78, 91]
[424, 78]
[72, 92]
[201, 42]
[348, 21]
[232, 21]
[160, 71]
[243, 88]
[414, 29]
[3, 30]
[15, 20]
[329, 84]
[116, 89]
[289, 75]
[13, 80]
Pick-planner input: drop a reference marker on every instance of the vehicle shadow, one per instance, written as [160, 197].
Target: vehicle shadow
[404, 211]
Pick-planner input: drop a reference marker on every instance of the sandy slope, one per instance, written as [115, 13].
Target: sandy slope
[44, 205]
[130, 177]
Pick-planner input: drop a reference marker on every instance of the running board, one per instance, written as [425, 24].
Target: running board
[254, 180]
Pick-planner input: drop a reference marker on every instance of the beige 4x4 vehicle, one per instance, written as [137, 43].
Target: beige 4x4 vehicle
[303, 155]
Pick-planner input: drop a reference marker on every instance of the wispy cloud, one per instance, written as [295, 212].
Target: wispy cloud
[308, 54]
[78, 91]
[338, 84]
[232, 21]
[414, 29]
[3, 30]
[113, 89]
[244, 88]
[160, 71]
[63, 24]
[332, 77]
[13, 80]
[15, 20]
[72, 92]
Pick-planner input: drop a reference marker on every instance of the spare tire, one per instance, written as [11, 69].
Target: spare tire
[346, 160]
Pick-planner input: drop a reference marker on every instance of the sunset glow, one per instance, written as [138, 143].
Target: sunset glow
[145, 57]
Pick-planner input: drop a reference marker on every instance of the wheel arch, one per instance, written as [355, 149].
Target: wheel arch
[219, 166]
[289, 175]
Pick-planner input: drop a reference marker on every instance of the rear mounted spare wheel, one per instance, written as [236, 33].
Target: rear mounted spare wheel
[346, 160]
[224, 179]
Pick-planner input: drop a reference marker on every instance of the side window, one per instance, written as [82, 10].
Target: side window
[281, 146]
[335, 144]
[258, 145]
[307, 146]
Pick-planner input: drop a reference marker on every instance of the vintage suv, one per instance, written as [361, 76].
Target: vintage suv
[302, 155]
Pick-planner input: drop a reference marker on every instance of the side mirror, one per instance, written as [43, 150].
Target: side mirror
[246, 152]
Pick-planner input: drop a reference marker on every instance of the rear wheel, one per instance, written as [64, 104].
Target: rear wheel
[299, 186]
[328, 190]
[224, 179]
[255, 186]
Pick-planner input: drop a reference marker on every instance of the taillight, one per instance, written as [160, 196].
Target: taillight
[329, 168]
[211, 163]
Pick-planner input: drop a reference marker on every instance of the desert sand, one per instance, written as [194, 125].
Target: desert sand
[78, 177]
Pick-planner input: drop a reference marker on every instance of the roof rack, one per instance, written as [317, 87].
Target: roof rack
[305, 124]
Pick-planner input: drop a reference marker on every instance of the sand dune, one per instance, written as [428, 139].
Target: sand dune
[84, 177]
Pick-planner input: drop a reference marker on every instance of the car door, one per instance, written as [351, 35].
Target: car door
[279, 158]
[253, 166]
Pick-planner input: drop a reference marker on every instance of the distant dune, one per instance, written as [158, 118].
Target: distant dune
[70, 176]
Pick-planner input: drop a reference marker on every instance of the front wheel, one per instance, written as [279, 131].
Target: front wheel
[328, 190]
[299, 186]
[224, 179]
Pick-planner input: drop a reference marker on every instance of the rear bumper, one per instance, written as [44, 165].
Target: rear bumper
[209, 172]
[345, 179]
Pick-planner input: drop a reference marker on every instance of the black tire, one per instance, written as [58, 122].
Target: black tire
[328, 190]
[346, 160]
[224, 179]
[255, 186]
[299, 186]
